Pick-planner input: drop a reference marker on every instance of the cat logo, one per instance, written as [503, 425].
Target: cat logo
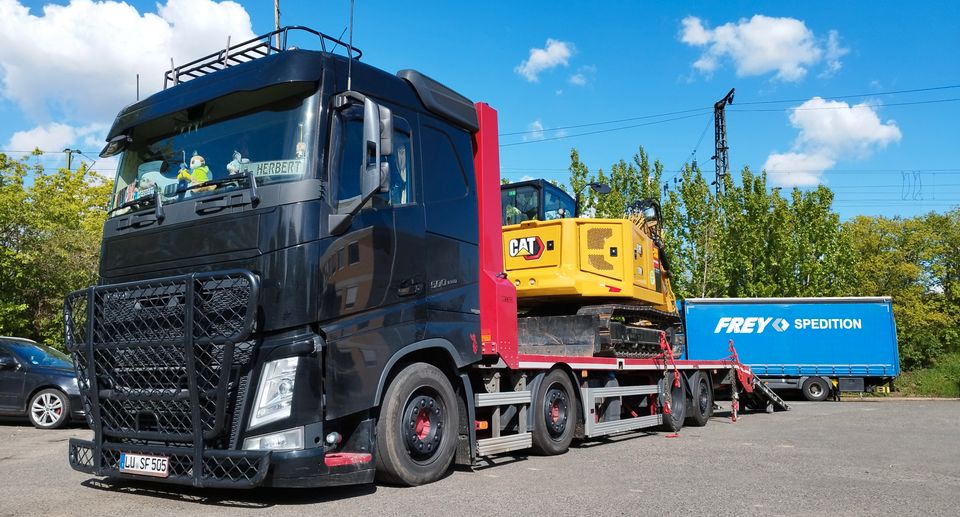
[529, 248]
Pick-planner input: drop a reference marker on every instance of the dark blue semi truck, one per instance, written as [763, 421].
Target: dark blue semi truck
[820, 346]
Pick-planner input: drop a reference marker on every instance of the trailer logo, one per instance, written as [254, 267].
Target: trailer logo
[757, 324]
[530, 248]
[780, 325]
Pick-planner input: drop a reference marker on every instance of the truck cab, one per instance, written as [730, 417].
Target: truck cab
[286, 225]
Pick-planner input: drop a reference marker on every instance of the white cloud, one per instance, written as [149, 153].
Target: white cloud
[829, 131]
[802, 169]
[56, 136]
[833, 54]
[761, 45]
[583, 76]
[77, 63]
[527, 177]
[555, 53]
[534, 131]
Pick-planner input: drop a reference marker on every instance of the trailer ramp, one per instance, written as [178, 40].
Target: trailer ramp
[760, 396]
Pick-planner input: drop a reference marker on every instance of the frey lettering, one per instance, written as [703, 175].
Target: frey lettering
[738, 325]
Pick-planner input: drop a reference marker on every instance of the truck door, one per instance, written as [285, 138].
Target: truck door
[375, 269]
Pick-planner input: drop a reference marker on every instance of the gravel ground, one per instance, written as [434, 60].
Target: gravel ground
[879, 457]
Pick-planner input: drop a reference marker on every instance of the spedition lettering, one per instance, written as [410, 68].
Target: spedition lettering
[828, 323]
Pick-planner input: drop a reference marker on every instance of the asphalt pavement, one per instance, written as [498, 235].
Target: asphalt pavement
[883, 457]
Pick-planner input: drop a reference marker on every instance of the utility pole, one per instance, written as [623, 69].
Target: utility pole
[720, 138]
[276, 21]
[69, 153]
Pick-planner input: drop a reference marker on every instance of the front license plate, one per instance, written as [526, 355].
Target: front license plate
[157, 466]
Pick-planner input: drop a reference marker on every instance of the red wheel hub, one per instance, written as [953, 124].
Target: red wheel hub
[555, 411]
[423, 424]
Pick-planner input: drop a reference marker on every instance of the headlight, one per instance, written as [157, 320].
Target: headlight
[291, 439]
[275, 391]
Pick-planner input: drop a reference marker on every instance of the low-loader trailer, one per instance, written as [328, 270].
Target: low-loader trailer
[302, 284]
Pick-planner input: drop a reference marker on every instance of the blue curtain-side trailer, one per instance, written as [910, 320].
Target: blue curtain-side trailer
[821, 346]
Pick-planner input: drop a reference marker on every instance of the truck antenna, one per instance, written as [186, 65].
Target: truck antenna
[350, 50]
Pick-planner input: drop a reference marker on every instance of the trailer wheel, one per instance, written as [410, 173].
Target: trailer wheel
[701, 400]
[555, 417]
[417, 428]
[815, 389]
[678, 404]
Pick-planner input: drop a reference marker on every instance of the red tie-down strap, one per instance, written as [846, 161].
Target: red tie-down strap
[666, 353]
[744, 375]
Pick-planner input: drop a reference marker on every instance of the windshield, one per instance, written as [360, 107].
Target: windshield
[520, 204]
[268, 133]
[39, 355]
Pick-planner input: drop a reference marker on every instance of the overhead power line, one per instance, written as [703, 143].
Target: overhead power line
[706, 109]
[562, 137]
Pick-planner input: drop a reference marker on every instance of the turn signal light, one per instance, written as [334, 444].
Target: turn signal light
[481, 425]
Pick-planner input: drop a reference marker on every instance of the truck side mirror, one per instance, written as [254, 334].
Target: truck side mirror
[374, 176]
[370, 175]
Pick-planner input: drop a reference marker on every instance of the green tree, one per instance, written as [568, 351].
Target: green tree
[50, 227]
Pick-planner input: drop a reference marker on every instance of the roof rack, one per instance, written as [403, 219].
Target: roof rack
[261, 46]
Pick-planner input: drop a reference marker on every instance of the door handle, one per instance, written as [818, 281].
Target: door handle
[409, 288]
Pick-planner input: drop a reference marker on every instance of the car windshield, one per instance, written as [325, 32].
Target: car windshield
[195, 152]
[39, 355]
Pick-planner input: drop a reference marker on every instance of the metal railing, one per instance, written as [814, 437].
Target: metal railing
[256, 48]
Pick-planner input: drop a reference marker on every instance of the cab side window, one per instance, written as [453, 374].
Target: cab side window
[401, 166]
[348, 160]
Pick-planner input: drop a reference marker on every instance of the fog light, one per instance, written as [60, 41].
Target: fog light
[291, 439]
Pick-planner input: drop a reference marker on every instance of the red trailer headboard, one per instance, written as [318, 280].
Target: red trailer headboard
[498, 296]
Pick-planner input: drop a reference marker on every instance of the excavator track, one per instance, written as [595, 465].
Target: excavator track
[621, 324]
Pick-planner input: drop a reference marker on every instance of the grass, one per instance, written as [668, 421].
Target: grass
[941, 380]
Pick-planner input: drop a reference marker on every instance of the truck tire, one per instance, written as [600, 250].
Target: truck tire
[555, 415]
[678, 404]
[815, 389]
[701, 400]
[49, 409]
[417, 428]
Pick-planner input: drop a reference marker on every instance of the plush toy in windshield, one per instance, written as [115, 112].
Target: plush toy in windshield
[198, 173]
[236, 165]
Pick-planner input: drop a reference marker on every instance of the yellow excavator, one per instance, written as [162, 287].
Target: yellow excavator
[607, 275]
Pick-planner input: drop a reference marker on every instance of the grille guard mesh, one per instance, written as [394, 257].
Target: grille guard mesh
[157, 360]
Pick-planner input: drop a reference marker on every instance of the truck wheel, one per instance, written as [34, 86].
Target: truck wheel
[701, 400]
[678, 404]
[49, 409]
[417, 428]
[815, 389]
[555, 416]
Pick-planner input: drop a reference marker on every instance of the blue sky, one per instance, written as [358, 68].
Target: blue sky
[543, 65]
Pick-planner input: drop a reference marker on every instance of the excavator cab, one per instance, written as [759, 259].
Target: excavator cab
[534, 200]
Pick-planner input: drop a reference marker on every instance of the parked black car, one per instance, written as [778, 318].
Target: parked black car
[38, 382]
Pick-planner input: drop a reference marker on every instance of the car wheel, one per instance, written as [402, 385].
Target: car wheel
[49, 409]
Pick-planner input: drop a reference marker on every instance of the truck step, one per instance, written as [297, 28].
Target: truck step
[501, 444]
